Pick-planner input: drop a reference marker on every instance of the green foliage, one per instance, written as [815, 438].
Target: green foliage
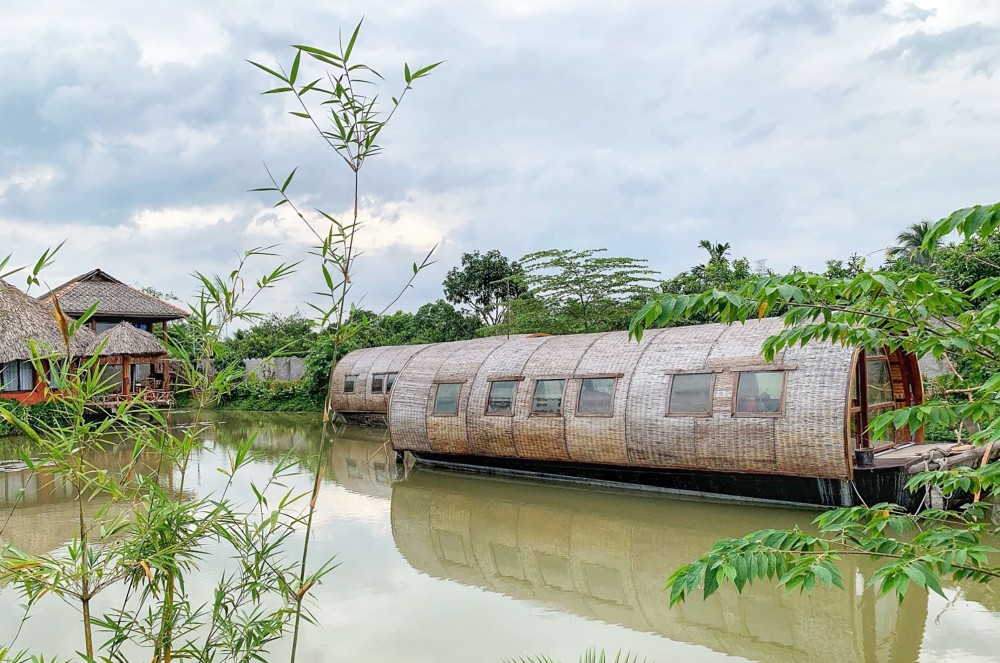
[579, 291]
[915, 245]
[46, 413]
[275, 396]
[900, 309]
[483, 283]
[273, 336]
[718, 273]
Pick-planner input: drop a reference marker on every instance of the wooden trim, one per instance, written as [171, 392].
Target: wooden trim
[354, 383]
[689, 371]
[507, 378]
[698, 415]
[458, 399]
[449, 380]
[614, 392]
[864, 440]
[758, 415]
[598, 376]
[513, 397]
[763, 368]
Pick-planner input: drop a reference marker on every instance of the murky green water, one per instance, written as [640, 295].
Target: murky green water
[450, 568]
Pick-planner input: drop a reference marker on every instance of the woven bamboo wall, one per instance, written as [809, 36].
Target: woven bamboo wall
[808, 440]
[364, 363]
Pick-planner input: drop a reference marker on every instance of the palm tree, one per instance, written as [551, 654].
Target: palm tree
[716, 252]
[910, 245]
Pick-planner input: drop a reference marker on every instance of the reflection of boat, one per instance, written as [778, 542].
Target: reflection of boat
[605, 556]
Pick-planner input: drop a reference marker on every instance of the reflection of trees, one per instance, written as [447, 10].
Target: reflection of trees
[45, 515]
[278, 434]
[606, 556]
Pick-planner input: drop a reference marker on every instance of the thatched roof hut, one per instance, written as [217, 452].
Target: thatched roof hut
[114, 299]
[125, 340]
[24, 319]
[688, 398]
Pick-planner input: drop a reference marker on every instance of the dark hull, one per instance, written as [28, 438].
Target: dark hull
[870, 486]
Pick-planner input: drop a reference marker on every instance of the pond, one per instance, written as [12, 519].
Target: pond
[458, 569]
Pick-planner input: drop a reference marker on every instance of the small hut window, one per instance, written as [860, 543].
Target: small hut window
[691, 394]
[597, 397]
[879, 381]
[26, 373]
[17, 376]
[760, 393]
[349, 381]
[548, 397]
[501, 397]
[8, 376]
[446, 398]
[378, 383]
[390, 379]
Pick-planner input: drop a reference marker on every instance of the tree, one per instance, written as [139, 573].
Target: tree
[439, 322]
[483, 283]
[912, 245]
[274, 336]
[588, 288]
[914, 312]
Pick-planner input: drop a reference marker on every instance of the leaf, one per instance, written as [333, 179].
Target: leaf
[295, 68]
[354, 38]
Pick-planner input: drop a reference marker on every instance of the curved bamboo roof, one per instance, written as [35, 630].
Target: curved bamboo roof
[124, 339]
[807, 438]
[24, 319]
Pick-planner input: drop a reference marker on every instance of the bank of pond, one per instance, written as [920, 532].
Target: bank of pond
[446, 567]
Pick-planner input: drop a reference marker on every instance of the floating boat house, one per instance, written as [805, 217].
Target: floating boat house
[694, 409]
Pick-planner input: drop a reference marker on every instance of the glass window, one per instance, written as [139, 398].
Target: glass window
[27, 376]
[349, 381]
[879, 381]
[446, 398]
[501, 397]
[8, 376]
[548, 397]
[390, 379]
[105, 326]
[596, 396]
[378, 381]
[691, 393]
[759, 392]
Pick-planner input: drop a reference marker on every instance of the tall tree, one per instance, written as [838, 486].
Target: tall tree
[483, 283]
[586, 287]
[912, 244]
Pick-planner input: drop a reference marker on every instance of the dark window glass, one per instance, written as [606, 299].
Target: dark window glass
[501, 397]
[349, 381]
[879, 381]
[446, 398]
[691, 393]
[8, 376]
[377, 383]
[759, 392]
[390, 379]
[596, 396]
[548, 397]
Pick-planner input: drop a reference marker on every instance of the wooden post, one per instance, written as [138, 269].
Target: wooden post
[865, 440]
[126, 387]
[166, 373]
[163, 331]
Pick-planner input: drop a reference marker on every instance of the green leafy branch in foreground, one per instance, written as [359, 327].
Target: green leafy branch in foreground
[873, 311]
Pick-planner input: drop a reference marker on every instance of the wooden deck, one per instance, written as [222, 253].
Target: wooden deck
[919, 457]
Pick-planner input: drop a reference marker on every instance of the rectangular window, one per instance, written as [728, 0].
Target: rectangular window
[759, 393]
[691, 394]
[378, 382]
[27, 376]
[548, 397]
[500, 399]
[597, 397]
[446, 398]
[390, 379]
[8, 376]
[879, 381]
[349, 381]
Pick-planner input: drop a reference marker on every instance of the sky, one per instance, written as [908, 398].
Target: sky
[796, 131]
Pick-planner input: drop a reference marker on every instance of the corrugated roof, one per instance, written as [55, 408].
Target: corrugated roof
[124, 339]
[113, 298]
[23, 318]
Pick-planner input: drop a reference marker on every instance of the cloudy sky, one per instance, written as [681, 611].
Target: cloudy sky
[798, 131]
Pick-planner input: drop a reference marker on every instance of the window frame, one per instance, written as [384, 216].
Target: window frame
[458, 398]
[517, 380]
[389, 384]
[353, 377]
[711, 395]
[19, 386]
[738, 372]
[371, 383]
[562, 397]
[614, 392]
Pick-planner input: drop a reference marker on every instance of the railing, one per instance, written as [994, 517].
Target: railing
[148, 396]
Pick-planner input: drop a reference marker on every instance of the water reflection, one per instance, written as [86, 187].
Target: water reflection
[605, 556]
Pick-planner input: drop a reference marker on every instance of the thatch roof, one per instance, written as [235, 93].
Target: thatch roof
[125, 339]
[23, 319]
[113, 298]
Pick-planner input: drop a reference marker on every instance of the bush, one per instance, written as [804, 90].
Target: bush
[273, 396]
[41, 414]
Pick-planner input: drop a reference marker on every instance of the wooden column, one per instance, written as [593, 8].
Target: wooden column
[126, 387]
[163, 331]
[165, 369]
[866, 440]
